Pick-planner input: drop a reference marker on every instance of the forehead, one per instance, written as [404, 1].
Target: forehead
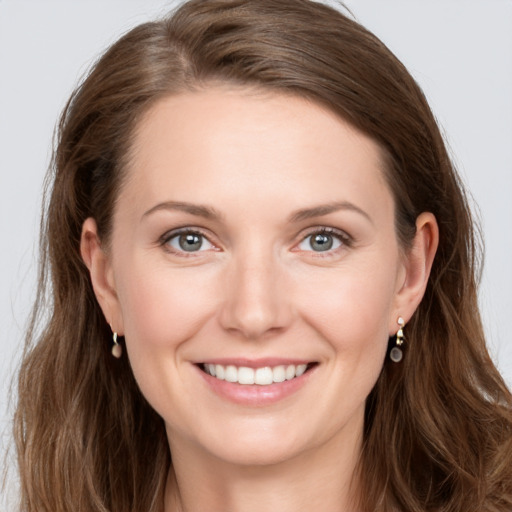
[236, 144]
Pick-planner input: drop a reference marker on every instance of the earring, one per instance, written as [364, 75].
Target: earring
[117, 350]
[396, 353]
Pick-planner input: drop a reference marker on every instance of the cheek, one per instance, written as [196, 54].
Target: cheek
[162, 307]
[352, 307]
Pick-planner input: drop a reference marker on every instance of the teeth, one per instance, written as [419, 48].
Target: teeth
[264, 376]
[260, 376]
[219, 371]
[300, 370]
[279, 374]
[231, 374]
[245, 375]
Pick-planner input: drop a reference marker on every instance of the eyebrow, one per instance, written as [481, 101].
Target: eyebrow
[199, 210]
[326, 209]
[210, 213]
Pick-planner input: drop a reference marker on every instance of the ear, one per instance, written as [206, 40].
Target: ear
[417, 264]
[102, 275]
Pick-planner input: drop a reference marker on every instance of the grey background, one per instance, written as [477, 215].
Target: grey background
[460, 51]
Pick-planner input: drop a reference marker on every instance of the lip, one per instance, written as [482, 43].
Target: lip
[255, 395]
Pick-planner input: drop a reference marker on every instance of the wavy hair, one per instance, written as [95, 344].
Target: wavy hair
[438, 426]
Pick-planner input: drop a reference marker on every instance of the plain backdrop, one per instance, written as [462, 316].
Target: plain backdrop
[460, 51]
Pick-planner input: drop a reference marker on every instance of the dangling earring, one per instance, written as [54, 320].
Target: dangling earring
[117, 350]
[396, 353]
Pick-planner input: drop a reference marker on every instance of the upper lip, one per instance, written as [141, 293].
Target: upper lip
[256, 363]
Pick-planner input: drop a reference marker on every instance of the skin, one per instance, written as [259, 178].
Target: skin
[257, 288]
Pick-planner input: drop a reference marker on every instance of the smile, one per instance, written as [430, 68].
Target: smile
[264, 376]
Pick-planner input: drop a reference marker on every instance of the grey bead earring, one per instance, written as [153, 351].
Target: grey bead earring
[117, 350]
[396, 353]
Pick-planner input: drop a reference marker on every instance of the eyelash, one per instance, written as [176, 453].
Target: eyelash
[345, 240]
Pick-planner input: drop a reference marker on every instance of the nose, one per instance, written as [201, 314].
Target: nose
[257, 302]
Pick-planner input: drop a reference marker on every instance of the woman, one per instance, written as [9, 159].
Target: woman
[263, 270]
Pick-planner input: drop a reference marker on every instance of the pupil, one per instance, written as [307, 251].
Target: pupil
[321, 242]
[190, 242]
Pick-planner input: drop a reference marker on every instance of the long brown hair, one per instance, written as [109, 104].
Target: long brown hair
[438, 426]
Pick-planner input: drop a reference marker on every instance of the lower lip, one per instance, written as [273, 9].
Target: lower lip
[255, 395]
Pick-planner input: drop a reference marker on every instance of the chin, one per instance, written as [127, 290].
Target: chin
[260, 446]
[257, 454]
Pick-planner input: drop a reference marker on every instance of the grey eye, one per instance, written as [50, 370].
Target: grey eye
[320, 242]
[189, 242]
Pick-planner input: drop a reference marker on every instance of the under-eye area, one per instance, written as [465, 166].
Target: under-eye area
[263, 376]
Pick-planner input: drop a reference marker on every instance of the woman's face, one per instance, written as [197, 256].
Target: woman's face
[254, 238]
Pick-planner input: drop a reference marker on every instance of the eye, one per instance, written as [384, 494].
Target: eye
[188, 241]
[323, 241]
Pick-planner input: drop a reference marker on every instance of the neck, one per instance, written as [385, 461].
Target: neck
[321, 478]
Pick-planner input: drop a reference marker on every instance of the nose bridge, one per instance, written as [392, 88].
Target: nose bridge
[255, 299]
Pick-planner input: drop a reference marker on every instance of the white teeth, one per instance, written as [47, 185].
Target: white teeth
[231, 374]
[279, 374]
[290, 372]
[219, 371]
[300, 370]
[264, 376]
[245, 375]
[261, 376]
